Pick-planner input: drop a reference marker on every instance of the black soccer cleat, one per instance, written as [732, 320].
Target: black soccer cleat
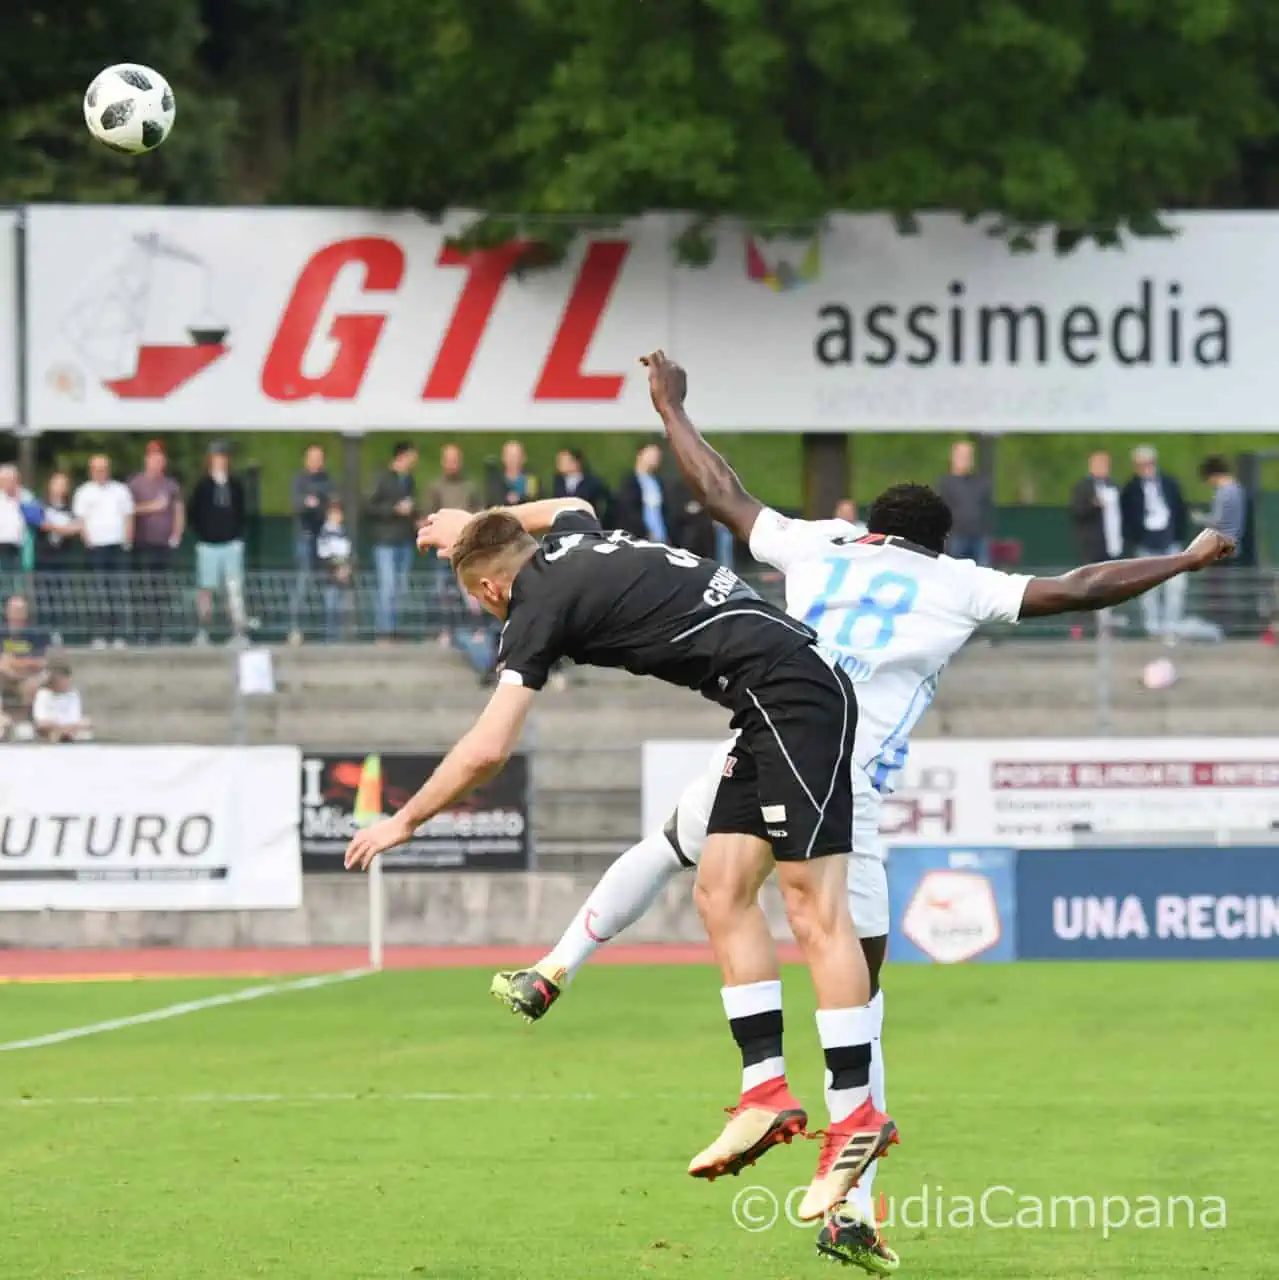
[529, 992]
[855, 1241]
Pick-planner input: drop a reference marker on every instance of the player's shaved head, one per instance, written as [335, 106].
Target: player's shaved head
[914, 512]
[491, 549]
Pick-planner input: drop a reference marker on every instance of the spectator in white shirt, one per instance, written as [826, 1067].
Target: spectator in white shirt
[104, 508]
[57, 713]
[18, 511]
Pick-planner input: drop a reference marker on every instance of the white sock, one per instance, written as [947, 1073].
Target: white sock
[754, 1014]
[861, 1197]
[626, 890]
[846, 1036]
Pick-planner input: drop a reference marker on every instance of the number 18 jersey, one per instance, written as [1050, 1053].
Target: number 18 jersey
[891, 613]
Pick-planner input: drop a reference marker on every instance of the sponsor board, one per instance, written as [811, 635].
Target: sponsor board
[8, 318]
[952, 906]
[106, 828]
[1045, 793]
[148, 318]
[1138, 904]
[342, 791]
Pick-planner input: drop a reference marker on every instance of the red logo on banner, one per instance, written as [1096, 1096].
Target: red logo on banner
[356, 336]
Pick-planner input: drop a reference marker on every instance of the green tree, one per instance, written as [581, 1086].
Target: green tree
[1090, 116]
[47, 61]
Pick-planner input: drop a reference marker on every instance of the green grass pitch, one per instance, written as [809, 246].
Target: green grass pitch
[404, 1126]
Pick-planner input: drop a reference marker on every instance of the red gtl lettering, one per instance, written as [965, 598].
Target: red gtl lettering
[355, 336]
[562, 376]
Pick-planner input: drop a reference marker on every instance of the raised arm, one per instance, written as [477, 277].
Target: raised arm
[713, 482]
[441, 529]
[1098, 586]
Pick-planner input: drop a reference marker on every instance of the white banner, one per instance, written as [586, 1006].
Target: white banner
[105, 828]
[153, 318]
[1047, 793]
[8, 318]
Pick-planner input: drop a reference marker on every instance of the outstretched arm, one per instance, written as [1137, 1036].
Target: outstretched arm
[1098, 586]
[713, 482]
[479, 754]
[441, 528]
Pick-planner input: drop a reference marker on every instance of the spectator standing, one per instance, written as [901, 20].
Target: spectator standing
[104, 508]
[1226, 600]
[334, 553]
[57, 713]
[19, 513]
[1154, 524]
[310, 495]
[393, 517]
[642, 506]
[972, 506]
[513, 484]
[24, 654]
[574, 479]
[159, 521]
[1094, 513]
[449, 490]
[219, 517]
[57, 551]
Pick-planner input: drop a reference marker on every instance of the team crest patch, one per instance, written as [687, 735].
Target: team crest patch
[774, 812]
[730, 763]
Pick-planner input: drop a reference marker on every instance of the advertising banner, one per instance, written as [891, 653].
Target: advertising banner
[8, 319]
[952, 906]
[105, 828]
[147, 318]
[1045, 793]
[1146, 904]
[488, 830]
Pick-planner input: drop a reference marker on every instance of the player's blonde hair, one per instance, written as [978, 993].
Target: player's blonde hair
[491, 540]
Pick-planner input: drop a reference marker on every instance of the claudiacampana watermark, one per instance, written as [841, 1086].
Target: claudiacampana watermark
[1002, 1208]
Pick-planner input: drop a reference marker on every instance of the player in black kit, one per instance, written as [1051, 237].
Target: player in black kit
[608, 599]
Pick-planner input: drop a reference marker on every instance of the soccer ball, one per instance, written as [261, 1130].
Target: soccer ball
[129, 108]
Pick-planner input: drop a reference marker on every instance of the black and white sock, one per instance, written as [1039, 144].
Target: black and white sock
[846, 1036]
[754, 1015]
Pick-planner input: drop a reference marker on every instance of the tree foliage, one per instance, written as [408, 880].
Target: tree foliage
[1090, 116]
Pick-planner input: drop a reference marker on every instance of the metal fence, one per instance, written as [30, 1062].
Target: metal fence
[271, 606]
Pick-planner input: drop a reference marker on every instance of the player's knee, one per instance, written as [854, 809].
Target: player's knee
[818, 915]
[720, 900]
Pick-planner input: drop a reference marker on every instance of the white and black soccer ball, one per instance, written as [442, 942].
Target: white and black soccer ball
[130, 108]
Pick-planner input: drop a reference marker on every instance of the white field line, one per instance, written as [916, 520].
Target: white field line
[181, 1010]
[307, 1099]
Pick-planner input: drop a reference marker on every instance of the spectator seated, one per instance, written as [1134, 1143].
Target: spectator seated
[24, 652]
[56, 712]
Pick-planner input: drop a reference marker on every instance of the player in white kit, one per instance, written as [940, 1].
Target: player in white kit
[891, 609]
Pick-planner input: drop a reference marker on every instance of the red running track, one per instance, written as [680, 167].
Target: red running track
[164, 962]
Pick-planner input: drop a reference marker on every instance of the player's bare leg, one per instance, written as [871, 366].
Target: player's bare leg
[729, 877]
[815, 893]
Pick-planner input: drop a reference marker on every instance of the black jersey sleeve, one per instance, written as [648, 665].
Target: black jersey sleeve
[531, 645]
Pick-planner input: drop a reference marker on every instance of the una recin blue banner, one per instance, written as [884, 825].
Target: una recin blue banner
[952, 905]
[1143, 904]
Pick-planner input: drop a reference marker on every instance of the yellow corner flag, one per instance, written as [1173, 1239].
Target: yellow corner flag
[368, 796]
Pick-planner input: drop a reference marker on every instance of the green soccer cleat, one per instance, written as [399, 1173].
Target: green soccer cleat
[529, 992]
[849, 1238]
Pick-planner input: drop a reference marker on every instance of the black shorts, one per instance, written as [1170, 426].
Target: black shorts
[789, 776]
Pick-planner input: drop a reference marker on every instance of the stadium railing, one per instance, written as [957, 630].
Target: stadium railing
[81, 607]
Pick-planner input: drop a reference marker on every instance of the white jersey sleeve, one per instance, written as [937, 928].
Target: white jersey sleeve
[995, 596]
[782, 542]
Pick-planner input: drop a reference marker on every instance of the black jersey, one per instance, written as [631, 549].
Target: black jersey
[607, 599]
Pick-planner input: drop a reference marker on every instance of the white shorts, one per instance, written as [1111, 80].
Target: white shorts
[867, 877]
